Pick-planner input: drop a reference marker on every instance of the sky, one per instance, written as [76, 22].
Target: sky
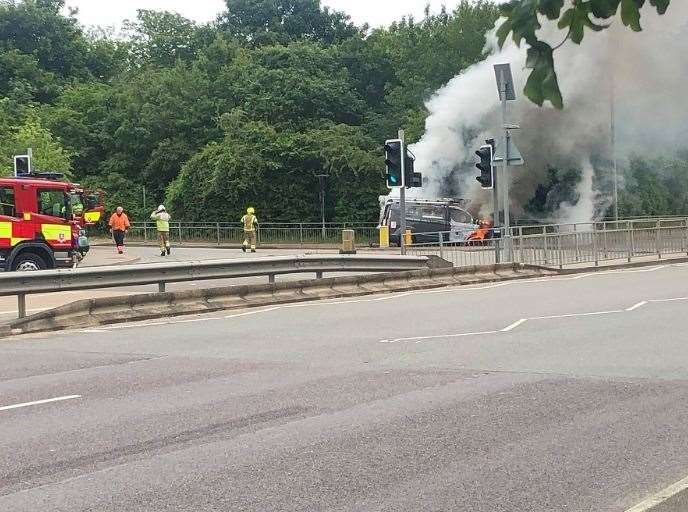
[373, 12]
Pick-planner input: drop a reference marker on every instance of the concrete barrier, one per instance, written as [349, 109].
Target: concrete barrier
[130, 308]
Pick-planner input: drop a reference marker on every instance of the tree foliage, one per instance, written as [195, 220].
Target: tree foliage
[246, 110]
[522, 22]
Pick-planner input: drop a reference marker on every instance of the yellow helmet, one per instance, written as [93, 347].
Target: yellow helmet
[251, 210]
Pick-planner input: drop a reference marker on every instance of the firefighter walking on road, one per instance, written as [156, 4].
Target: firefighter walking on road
[250, 223]
[162, 223]
[119, 224]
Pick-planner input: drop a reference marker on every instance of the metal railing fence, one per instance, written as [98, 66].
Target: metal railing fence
[561, 248]
[224, 233]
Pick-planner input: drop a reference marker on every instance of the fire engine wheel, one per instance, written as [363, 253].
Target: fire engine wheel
[29, 262]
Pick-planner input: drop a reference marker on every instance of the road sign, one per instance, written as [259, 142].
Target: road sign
[515, 157]
[505, 81]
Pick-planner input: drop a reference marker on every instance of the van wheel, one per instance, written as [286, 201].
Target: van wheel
[28, 262]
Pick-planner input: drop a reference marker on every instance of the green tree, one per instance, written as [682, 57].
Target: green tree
[274, 170]
[522, 23]
[160, 38]
[49, 155]
[260, 22]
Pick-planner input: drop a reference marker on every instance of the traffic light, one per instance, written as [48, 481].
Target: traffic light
[486, 178]
[412, 179]
[393, 174]
[22, 164]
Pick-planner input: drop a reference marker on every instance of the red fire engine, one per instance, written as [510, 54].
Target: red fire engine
[43, 220]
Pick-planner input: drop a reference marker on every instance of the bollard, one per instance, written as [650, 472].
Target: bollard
[348, 242]
[408, 238]
[271, 278]
[384, 237]
[161, 287]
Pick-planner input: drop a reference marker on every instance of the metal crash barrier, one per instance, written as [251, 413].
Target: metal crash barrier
[22, 284]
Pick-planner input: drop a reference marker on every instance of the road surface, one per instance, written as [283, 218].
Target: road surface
[546, 395]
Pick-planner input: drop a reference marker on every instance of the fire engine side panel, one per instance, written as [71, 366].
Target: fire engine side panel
[22, 228]
[5, 232]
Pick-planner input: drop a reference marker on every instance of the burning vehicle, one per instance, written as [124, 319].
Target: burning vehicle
[426, 218]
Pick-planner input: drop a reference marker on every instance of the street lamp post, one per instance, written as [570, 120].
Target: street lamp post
[321, 179]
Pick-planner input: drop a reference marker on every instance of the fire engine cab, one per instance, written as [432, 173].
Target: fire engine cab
[43, 221]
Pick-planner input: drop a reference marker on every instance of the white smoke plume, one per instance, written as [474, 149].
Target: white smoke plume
[644, 72]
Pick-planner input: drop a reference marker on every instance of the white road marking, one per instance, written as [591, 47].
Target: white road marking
[420, 339]
[573, 315]
[636, 306]
[659, 498]
[669, 300]
[514, 325]
[194, 320]
[651, 269]
[39, 402]
[255, 312]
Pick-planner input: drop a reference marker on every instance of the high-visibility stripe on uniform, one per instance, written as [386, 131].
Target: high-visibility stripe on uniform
[57, 232]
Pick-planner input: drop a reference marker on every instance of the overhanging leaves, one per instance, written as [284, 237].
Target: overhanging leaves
[521, 21]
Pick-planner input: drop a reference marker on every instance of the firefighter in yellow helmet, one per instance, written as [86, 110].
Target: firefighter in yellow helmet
[250, 223]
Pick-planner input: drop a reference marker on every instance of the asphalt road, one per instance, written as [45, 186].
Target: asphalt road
[545, 395]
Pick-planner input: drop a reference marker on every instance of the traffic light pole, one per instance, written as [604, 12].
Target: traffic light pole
[504, 179]
[495, 211]
[402, 194]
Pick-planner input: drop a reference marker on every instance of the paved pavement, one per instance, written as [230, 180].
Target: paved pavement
[546, 395]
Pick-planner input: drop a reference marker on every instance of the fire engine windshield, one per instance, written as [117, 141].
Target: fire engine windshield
[53, 202]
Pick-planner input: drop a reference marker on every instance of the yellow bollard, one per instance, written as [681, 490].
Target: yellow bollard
[384, 237]
[408, 238]
[348, 242]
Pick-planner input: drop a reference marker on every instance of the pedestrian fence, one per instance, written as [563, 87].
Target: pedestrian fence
[225, 233]
[564, 245]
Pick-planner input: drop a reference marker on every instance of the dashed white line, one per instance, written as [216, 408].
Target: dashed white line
[573, 315]
[39, 402]
[660, 497]
[637, 306]
[514, 325]
[420, 339]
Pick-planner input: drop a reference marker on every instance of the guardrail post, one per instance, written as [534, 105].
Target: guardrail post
[301, 235]
[145, 231]
[21, 305]
[594, 249]
[217, 225]
[576, 243]
[658, 241]
[545, 248]
[319, 274]
[271, 278]
[179, 227]
[560, 255]
[161, 287]
[441, 236]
